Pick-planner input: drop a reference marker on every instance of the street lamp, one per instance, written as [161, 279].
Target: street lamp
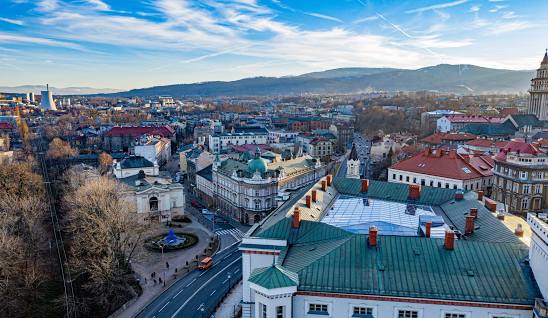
[202, 311]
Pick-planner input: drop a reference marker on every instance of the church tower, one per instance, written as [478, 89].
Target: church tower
[353, 164]
[538, 99]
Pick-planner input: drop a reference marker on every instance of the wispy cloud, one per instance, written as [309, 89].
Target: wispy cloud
[323, 16]
[475, 8]
[396, 27]
[12, 21]
[366, 19]
[513, 26]
[437, 6]
[17, 38]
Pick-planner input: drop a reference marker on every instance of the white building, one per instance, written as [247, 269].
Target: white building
[131, 166]
[296, 265]
[538, 258]
[221, 142]
[444, 169]
[353, 164]
[154, 148]
[157, 199]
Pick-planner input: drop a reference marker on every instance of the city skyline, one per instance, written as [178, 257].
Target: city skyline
[146, 43]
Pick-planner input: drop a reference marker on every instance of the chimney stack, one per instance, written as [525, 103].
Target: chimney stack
[414, 192]
[480, 195]
[324, 185]
[308, 201]
[449, 242]
[365, 185]
[474, 212]
[314, 196]
[373, 236]
[469, 225]
[296, 218]
[329, 178]
[428, 229]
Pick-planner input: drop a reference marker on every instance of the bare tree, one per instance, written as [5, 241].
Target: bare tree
[59, 149]
[105, 162]
[103, 234]
[23, 240]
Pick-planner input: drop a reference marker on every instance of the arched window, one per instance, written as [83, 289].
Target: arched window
[153, 204]
[257, 204]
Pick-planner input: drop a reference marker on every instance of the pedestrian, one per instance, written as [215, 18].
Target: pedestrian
[155, 281]
[145, 280]
[167, 265]
[152, 275]
[160, 280]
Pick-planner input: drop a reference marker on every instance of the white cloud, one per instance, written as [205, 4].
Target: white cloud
[12, 21]
[507, 27]
[16, 38]
[437, 6]
[475, 8]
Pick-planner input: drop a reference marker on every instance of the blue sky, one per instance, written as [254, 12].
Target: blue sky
[140, 43]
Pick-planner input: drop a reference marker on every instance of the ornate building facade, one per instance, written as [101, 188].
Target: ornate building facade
[521, 175]
[247, 190]
[538, 100]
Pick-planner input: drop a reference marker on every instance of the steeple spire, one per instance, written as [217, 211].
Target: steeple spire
[545, 59]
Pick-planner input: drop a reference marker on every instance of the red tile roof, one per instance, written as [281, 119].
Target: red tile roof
[469, 119]
[164, 131]
[518, 146]
[438, 138]
[4, 125]
[486, 143]
[446, 164]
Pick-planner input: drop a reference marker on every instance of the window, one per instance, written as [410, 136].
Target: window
[358, 311]
[408, 314]
[454, 315]
[525, 203]
[317, 309]
[394, 176]
[407, 178]
[523, 174]
[153, 204]
[263, 313]
[538, 188]
[527, 188]
[280, 312]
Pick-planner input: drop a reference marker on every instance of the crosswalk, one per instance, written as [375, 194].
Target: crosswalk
[237, 234]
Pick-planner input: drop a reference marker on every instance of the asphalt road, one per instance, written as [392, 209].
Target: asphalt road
[198, 290]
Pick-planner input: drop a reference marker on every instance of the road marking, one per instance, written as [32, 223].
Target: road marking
[236, 271]
[224, 281]
[203, 285]
[163, 307]
[178, 293]
[212, 293]
[191, 282]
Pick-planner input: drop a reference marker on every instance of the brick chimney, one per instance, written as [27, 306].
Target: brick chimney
[469, 225]
[428, 228]
[365, 185]
[414, 192]
[308, 201]
[329, 178]
[480, 195]
[296, 218]
[449, 242]
[474, 212]
[452, 154]
[373, 236]
[324, 185]
[314, 196]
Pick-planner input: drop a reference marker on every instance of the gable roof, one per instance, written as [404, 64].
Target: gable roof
[133, 162]
[164, 131]
[446, 164]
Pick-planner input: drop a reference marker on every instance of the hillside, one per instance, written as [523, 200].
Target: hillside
[459, 79]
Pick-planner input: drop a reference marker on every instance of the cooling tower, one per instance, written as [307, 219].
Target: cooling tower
[47, 102]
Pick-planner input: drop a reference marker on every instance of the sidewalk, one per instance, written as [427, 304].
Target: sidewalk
[230, 303]
[146, 262]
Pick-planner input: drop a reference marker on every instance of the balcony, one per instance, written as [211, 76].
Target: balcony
[541, 308]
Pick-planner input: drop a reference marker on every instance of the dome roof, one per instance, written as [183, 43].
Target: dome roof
[257, 164]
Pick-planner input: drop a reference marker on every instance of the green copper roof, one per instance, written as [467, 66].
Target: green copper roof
[273, 277]
[392, 191]
[413, 267]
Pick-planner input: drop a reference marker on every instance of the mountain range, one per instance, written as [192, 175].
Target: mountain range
[36, 89]
[458, 79]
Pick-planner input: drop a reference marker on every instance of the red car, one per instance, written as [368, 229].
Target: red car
[195, 204]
